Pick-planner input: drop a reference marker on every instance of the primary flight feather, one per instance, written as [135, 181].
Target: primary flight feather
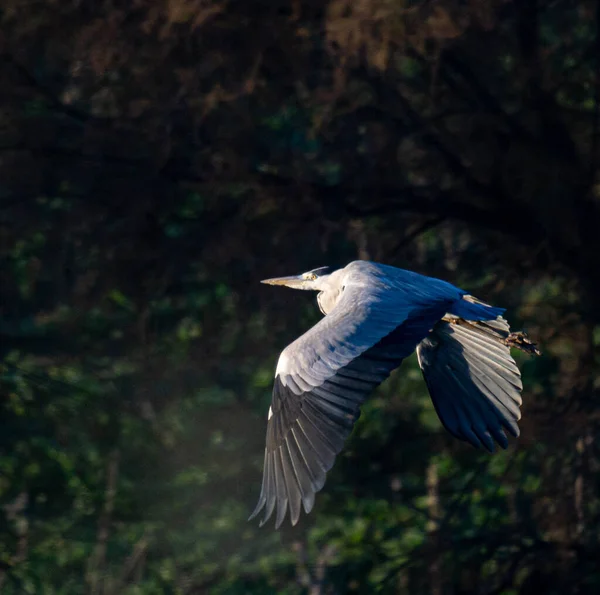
[375, 316]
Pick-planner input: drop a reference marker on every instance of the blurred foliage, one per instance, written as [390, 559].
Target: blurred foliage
[159, 157]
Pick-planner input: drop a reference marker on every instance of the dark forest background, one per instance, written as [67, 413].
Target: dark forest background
[159, 157]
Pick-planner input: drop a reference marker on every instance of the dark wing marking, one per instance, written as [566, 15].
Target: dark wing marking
[474, 382]
[306, 431]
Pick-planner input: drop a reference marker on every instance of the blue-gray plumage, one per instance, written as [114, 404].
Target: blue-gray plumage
[375, 316]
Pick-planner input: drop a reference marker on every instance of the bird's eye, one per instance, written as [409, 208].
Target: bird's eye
[310, 276]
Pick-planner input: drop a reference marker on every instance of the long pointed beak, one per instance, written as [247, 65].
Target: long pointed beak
[295, 281]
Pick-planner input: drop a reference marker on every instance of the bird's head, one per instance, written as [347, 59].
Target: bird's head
[311, 280]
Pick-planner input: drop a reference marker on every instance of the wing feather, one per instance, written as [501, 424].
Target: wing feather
[484, 379]
[312, 427]
[280, 487]
[474, 382]
[293, 488]
[314, 459]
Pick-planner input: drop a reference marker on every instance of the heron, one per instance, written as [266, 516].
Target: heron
[375, 316]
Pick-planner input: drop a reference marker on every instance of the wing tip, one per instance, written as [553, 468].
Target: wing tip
[308, 502]
[255, 512]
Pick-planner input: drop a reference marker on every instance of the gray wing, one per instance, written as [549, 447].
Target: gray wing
[474, 382]
[321, 381]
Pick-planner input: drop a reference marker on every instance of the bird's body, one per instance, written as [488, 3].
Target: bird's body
[375, 316]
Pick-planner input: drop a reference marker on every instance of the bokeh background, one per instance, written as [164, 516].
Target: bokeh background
[159, 157]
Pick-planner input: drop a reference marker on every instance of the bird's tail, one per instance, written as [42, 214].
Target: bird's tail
[471, 308]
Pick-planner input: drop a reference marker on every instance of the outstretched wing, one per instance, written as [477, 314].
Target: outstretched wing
[322, 379]
[474, 382]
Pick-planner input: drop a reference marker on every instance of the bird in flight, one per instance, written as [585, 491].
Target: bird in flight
[375, 316]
